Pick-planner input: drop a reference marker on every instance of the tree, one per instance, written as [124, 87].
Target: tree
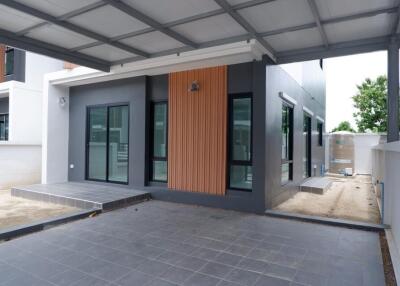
[370, 102]
[344, 126]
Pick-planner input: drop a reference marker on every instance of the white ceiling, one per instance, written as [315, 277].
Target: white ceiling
[263, 17]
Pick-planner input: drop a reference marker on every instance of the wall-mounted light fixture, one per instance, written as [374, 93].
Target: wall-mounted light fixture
[62, 101]
[194, 86]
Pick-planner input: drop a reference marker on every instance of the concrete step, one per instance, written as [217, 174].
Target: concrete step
[316, 185]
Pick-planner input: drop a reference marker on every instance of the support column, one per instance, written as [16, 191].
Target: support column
[393, 92]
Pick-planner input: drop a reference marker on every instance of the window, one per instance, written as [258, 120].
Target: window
[320, 127]
[107, 151]
[9, 61]
[307, 146]
[287, 144]
[240, 142]
[159, 161]
[3, 127]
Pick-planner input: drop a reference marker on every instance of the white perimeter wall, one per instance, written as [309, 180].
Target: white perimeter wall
[20, 164]
[363, 144]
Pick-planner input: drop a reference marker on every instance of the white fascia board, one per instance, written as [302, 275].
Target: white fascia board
[307, 110]
[319, 118]
[208, 57]
[287, 98]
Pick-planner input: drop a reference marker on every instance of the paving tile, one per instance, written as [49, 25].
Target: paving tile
[170, 257]
[238, 249]
[216, 269]
[8, 273]
[228, 259]
[176, 275]
[191, 263]
[311, 279]
[271, 281]
[134, 278]
[160, 282]
[103, 269]
[68, 277]
[205, 253]
[201, 280]
[280, 271]
[26, 279]
[253, 265]
[243, 277]
[153, 267]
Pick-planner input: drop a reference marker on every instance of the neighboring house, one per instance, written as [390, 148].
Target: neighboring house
[21, 88]
[229, 131]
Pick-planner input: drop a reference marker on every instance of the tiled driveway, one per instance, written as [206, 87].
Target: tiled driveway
[158, 243]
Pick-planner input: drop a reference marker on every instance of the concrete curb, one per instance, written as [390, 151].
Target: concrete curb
[10, 233]
[328, 221]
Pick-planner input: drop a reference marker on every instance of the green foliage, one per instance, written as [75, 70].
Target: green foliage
[344, 126]
[370, 102]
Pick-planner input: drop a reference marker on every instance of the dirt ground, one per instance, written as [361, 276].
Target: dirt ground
[347, 198]
[17, 211]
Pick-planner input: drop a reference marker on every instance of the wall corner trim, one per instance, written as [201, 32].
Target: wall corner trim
[307, 110]
[287, 98]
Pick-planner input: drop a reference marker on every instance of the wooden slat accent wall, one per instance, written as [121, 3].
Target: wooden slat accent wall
[2, 62]
[198, 131]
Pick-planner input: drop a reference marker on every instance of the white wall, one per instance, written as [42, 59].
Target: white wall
[363, 144]
[20, 164]
[55, 127]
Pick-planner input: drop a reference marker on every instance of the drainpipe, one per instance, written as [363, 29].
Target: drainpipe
[382, 200]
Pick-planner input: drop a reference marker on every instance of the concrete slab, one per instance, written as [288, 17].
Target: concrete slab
[317, 185]
[160, 243]
[82, 195]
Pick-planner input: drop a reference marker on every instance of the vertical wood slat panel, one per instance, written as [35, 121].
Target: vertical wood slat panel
[198, 131]
[2, 62]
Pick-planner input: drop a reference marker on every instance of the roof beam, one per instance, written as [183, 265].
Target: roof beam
[150, 22]
[334, 50]
[246, 25]
[65, 17]
[69, 26]
[317, 18]
[43, 48]
[396, 22]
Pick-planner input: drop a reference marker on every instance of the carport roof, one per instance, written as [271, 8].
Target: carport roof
[100, 34]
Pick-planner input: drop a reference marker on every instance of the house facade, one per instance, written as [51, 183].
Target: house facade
[240, 135]
[21, 89]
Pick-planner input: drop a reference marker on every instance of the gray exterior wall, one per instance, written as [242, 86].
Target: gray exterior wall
[311, 95]
[19, 67]
[131, 91]
[4, 105]
[264, 81]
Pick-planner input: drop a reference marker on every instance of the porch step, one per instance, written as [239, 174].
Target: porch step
[317, 185]
[82, 195]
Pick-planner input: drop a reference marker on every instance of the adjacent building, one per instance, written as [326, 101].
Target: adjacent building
[236, 132]
[21, 89]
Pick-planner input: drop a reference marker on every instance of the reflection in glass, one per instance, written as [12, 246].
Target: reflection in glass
[241, 149]
[118, 144]
[241, 177]
[97, 143]
[160, 171]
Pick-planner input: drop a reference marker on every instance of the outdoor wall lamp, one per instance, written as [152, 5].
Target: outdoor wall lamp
[62, 101]
[194, 86]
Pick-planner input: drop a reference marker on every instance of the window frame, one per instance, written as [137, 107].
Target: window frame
[320, 129]
[289, 161]
[308, 173]
[87, 136]
[6, 117]
[9, 50]
[231, 161]
[153, 158]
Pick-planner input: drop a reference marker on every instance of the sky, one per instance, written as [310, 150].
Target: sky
[343, 74]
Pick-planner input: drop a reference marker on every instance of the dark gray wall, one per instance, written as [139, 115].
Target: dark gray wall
[4, 105]
[311, 95]
[132, 91]
[242, 78]
[19, 67]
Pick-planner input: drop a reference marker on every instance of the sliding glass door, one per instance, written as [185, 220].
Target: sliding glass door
[3, 127]
[107, 143]
[307, 146]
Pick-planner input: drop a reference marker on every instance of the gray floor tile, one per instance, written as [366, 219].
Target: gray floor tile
[153, 267]
[104, 269]
[176, 275]
[228, 259]
[310, 279]
[201, 280]
[67, 278]
[26, 279]
[170, 257]
[159, 282]
[191, 263]
[216, 269]
[243, 277]
[134, 278]
[253, 265]
[271, 281]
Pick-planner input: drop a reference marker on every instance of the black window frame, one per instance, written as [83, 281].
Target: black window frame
[153, 158]
[6, 118]
[231, 161]
[308, 172]
[320, 129]
[108, 106]
[9, 50]
[289, 161]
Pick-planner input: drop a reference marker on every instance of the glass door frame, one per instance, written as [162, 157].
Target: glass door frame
[307, 173]
[87, 136]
